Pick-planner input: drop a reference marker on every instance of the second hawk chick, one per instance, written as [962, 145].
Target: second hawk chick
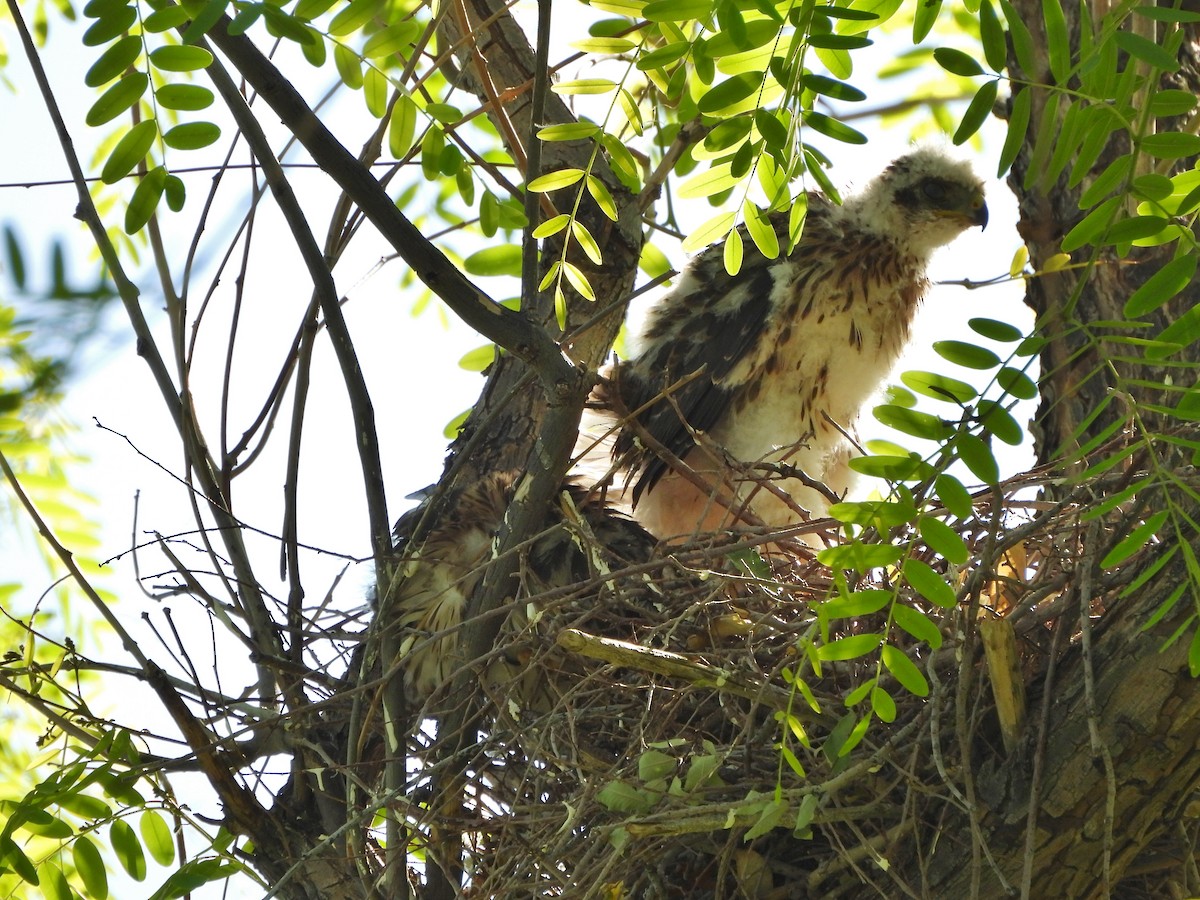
[771, 363]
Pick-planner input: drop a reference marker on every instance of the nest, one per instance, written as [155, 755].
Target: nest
[679, 727]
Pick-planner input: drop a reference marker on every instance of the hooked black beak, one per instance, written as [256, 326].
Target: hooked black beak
[979, 212]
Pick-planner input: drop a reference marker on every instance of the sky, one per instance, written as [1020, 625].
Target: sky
[410, 364]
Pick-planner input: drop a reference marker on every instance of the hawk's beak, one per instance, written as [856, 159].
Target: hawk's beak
[979, 211]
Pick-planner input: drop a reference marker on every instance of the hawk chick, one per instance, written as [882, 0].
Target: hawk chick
[773, 362]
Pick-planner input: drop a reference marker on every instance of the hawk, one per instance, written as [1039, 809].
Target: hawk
[772, 365]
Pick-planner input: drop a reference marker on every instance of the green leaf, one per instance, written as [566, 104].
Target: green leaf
[1160, 287]
[760, 230]
[128, 849]
[192, 135]
[210, 13]
[130, 150]
[991, 33]
[391, 40]
[838, 42]
[709, 232]
[14, 858]
[1016, 383]
[1018, 124]
[832, 88]
[569, 131]
[180, 58]
[1168, 103]
[676, 10]
[90, 867]
[928, 583]
[924, 18]
[552, 226]
[914, 422]
[113, 61]
[664, 56]
[774, 133]
[310, 9]
[115, 22]
[905, 671]
[1135, 540]
[1134, 228]
[349, 66]
[16, 258]
[145, 199]
[586, 242]
[156, 835]
[943, 540]
[977, 112]
[733, 252]
[729, 92]
[883, 705]
[999, 422]
[832, 128]
[187, 97]
[1107, 181]
[909, 467]
[860, 557]
[375, 91]
[1092, 226]
[1170, 144]
[939, 387]
[851, 647]
[957, 62]
[856, 605]
[402, 127]
[1168, 14]
[351, 18]
[954, 496]
[1146, 50]
[1058, 43]
[970, 356]
[164, 19]
[977, 456]
[1181, 333]
[54, 883]
[579, 281]
[175, 192]
[996, 330]
[917, 624]
[479, 359]
[555, 181]
[118, 98]
[499, 259]
[709, 182]
[1021, 39]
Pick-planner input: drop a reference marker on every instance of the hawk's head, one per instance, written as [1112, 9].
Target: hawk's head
[924, 200]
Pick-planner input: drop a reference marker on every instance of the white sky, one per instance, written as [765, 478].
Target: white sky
[410, 364]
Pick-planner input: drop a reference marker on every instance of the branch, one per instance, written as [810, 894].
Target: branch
[497, 323]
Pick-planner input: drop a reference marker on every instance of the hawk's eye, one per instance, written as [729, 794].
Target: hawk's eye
[935, 191]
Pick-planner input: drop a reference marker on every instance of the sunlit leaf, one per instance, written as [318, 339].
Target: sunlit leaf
[192, 135]
[970, 356]
[943, 540]
[130, 150]
[939, 387]
[554, 181]
[957, 62]
[905, 671]
[851, 647]
[114, 61]
[977, 456]
[977, 111]
[499, 259]
[928, 583]
[118, 98]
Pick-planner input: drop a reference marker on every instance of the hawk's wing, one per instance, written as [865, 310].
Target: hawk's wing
[706, 334]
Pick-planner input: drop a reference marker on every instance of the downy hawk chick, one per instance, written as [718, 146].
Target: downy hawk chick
[774, 363]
